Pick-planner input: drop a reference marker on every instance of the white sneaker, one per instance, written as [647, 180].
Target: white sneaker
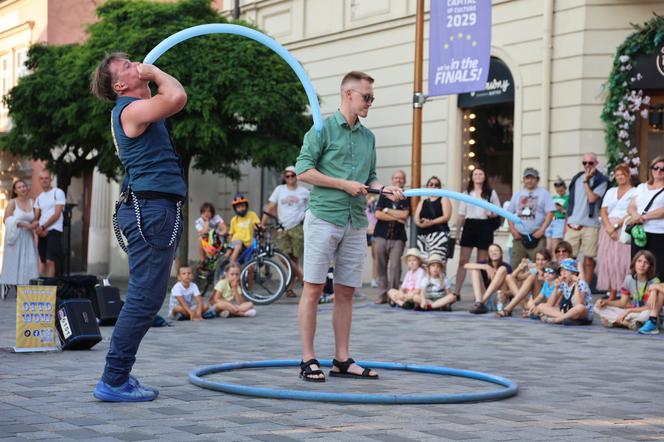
[224, 314]
[374, 284]
[250, 313]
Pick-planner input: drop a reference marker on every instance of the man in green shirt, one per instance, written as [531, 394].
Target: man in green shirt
[340, 162]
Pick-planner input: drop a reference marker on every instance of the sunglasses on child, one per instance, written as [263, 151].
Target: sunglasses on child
[550, 270]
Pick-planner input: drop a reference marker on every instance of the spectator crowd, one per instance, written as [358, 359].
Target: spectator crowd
[599, 232]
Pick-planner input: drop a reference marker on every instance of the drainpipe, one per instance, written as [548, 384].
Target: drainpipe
[547, 53]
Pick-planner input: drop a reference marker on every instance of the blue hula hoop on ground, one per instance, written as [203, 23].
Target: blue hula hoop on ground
[510, 388]
[219, 28]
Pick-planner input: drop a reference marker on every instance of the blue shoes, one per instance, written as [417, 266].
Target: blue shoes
[649, 328]
[130, 391]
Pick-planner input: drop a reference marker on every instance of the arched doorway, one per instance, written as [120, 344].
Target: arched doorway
[648, 133]
[487, 134]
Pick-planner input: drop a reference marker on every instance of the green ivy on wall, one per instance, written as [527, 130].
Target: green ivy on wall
[624, 104]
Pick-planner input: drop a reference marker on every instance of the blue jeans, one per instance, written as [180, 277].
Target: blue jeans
[149, 269]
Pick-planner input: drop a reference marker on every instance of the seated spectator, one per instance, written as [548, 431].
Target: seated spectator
[411, 281]
[571, 302]
[631, 310]
[488, 277]
[526, 279]
[228, 297]
[242, 227]
[186, 301]
[208, 224]
[655, 302]
[547, 288]
[562, 251]
[435, 290]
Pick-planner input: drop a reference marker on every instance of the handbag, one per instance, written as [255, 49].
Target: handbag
[495, 222]
[625, 229]
[628, 228]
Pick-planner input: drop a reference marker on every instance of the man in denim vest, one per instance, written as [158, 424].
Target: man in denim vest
[153, 190]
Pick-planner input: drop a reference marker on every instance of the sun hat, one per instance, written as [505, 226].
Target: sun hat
[638, 234]
[570, 265]
[289, 169]
[435, 258]
[412, 252]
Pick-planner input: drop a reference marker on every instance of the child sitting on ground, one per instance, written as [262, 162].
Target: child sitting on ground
[655, 303]
[526, 279]
[227, 296]
[186, 301]
[208, 224]
[548, 285]
[242, 227]
[631, 310]
[435, 291]
[411, 281]
[571, 302]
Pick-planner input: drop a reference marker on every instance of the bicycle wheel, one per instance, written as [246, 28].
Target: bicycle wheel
[262, 281]
[286, 264]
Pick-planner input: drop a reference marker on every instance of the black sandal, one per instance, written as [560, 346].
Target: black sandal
[307, 373]
[343, 372]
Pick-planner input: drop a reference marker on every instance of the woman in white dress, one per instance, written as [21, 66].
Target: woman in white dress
[19, 264]
[614, 256]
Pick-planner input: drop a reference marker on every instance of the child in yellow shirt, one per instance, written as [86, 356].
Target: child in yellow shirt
[242, 227]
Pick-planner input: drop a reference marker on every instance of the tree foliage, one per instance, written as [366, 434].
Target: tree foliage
[245, 103]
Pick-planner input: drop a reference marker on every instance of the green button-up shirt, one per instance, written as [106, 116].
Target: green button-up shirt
[340, 151]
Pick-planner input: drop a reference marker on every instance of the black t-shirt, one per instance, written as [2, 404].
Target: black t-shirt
[432, 210]
[391, 229]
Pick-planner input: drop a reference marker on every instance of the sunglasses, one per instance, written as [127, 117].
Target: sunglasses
[657, 168]
[368, 98]
[289, 175]
[588, 163]
[550, 270]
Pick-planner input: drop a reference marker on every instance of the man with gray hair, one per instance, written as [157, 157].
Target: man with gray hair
[586, 190]
[340, 162]
[390, 235]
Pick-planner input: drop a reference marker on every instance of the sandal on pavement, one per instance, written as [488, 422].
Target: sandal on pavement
[290, 293]
[343, 372]
[308, 374]
[504, 314]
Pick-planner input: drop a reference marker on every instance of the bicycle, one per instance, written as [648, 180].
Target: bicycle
[262, 279]
[282, 258]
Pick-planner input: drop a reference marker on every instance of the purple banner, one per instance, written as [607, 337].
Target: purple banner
[459, 46]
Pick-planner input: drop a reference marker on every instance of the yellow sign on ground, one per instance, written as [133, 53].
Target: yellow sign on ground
[35, 318]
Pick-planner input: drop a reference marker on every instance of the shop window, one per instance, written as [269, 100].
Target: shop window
[488, 130]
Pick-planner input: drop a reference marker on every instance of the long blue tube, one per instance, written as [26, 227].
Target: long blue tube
[221, 28]
[486, 205]
[511, 388]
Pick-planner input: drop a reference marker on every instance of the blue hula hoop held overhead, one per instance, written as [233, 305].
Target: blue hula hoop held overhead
[221, 28]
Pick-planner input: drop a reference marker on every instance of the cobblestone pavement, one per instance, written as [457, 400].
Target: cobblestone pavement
[576, 383]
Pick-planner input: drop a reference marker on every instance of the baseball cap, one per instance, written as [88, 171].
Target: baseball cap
[289, 169]
[530, 171]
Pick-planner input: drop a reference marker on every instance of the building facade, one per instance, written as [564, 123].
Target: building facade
[22, 24]
[550, 60]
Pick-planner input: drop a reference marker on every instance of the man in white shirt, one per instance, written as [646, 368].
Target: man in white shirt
[290, 201]
[49, 208]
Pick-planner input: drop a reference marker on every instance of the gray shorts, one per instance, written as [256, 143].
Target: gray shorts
[326, 244]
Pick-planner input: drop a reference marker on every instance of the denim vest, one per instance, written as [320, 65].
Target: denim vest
[149, 160]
